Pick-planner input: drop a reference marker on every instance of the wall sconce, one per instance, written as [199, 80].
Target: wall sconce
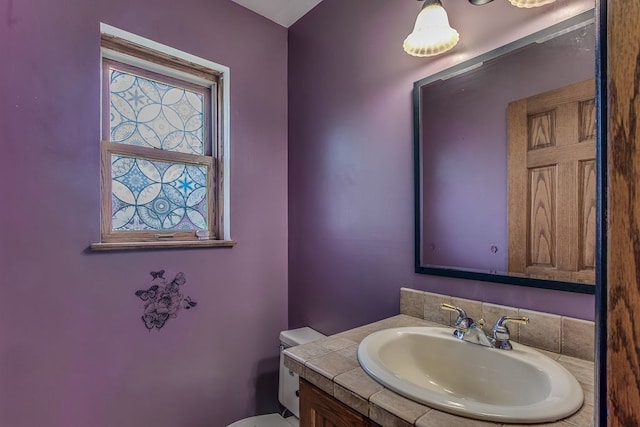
[432, 34]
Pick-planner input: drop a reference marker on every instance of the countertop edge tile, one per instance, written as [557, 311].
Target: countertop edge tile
[399, 406]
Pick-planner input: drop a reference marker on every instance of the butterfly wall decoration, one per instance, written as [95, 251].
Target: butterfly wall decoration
[163, 299]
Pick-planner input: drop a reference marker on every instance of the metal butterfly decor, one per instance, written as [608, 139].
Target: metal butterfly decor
[163, 299]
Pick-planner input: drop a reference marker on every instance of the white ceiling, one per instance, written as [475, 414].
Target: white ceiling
[283, 12]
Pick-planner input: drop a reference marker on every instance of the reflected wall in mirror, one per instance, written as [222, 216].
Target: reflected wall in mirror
[466, 222]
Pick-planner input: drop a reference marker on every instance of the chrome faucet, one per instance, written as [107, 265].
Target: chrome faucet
[466, 328]
[501, 333]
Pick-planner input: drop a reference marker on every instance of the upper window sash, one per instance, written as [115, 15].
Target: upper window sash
[149, 109]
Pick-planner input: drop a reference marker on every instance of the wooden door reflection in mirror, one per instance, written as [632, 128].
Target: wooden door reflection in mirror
[551, 181]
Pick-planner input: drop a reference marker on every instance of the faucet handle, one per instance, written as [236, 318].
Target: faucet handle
[462, 321]
[449, 307]
[501, 333]
[503, 320]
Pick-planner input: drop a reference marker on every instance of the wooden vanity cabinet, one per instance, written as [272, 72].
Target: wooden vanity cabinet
[318, 409]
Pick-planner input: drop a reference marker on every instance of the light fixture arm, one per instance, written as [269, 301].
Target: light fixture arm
[479, 2]
[473, 2]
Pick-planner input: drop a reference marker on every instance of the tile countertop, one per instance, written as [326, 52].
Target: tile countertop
[331, 364]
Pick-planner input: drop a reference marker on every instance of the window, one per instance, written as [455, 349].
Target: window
[164, 154]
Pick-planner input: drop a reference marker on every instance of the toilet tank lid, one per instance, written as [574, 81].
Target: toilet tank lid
[299, 336]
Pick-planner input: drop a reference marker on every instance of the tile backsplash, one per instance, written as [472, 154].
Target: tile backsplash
[558, 334]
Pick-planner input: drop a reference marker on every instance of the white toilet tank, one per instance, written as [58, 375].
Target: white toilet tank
[288, 385]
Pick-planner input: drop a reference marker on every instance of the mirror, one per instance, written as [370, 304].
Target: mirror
[472, 221]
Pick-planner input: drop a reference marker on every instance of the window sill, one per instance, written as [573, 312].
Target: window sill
[122, 246]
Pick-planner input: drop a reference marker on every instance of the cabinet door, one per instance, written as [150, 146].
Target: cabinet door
[318, 409]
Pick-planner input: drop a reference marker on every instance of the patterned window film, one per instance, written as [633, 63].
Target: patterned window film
[154, 195]
[159, 171]
[150, 113]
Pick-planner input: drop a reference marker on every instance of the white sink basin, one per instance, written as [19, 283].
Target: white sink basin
[432, 367]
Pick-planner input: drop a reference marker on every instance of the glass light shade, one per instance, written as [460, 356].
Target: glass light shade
[530, 3]
[432, 33]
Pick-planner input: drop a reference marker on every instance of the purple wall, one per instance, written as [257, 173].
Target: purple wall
[464, 125]
[351, 173]
[73, 349]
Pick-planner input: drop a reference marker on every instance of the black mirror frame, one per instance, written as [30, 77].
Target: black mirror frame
[600, 168]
